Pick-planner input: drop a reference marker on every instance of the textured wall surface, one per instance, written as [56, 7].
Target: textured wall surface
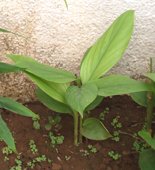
[59, 37]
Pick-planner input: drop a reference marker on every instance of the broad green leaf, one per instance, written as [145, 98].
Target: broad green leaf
[118, 85]
[6, 68]
[41, 70]
[85, 54]
[148, 138]
[151, 76]
[147, 159]
[4, 30]
[54, 90]
[79, 98]
[51, 103]
[108, 49]
[141, 98]
[95, 103]
[16, 107]
[94, 129]
[6, 135]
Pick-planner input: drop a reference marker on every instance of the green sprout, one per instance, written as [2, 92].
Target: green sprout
[114, 155]
[55, 140]
[116, 125]
[90, 150]
[39, 159]
[18, 164]
[84, 152]
[53, 121]
[36, 123]
[7, 152]
[102, 114]
[33, 147]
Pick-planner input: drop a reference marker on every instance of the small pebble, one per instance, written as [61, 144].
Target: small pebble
[115, 167]
[125, 152]
[56, 166]
[98, 146]
[109, 168]
[38, 167]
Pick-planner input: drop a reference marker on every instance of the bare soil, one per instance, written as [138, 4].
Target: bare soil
[131, 117]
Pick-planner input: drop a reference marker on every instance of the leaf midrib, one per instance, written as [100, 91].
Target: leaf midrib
[108, 46]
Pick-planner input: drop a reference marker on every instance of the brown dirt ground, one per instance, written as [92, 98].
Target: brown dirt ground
[131, 117]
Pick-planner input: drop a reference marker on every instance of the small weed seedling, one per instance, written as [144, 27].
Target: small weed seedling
[53, 121]
[139, 146]
[7, 152]
[36, 123]
[114, 155]
[33, 147]
[39, 159]
[18, 164]
[90, 150]
[55, 140]
[102, 114]
[116, 125]
[116, 136]
[84, 152]
[31, 164]
[49, 161]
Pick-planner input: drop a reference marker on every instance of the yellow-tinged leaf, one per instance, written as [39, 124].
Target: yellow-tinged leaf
[108, 49]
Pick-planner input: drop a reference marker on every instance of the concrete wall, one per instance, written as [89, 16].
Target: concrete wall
[59, 37]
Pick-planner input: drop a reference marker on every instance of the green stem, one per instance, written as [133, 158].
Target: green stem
[76, 122]
[150, 100]
[80, 130]
[149, 111]
[79, 122]
[78, 82]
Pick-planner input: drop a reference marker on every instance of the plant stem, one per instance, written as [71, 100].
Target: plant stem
[150, 100]
[76, 122]
[80, 130]
[129, 134]
[78, 82]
